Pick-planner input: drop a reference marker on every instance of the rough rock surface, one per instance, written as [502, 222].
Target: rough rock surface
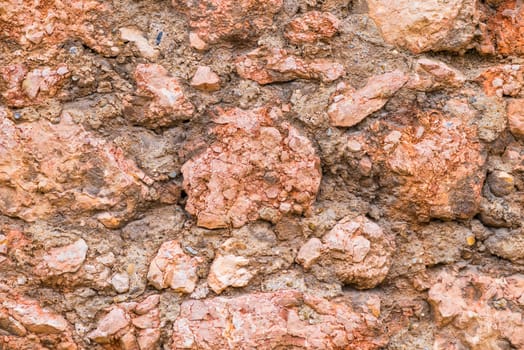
[278, 174]
[257, 168]
[273, 320]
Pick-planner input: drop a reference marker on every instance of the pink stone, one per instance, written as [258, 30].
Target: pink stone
[65, 259]
[267, 66]
[351, 107]
[35, 318]
[172, 268]
[274, 320]
[205, 79]
[309, 253]
[229, 270]
[234, 186]
[312, 26]
[516, 117]
[114, 321]
[166, 100]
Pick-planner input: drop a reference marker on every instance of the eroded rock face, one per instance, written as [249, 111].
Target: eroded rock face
[258, 167]
[27, 323]
[267, 66]
[356, 251]
[273, 320]
[213, 21]
[312, 26]
[421, 26]
[503, 80]
[61, 168]
[478, 310]
[159, 100]
[506, 28]
[434, 166]
[516, 117]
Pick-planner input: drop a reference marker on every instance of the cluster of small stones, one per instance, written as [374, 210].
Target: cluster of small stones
[262, 174]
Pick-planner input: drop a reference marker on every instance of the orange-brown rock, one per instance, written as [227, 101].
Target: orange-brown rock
[430, 25]
[23, 87]
[283, 319]
[503, 80]
[46, 169]
[51, 23]
[432, 164]
[257, 167]
[356, 251]
[506, 28]
[311, 27]
[516, 117]
[159, 100]
[478, 310]
[267, 66]
[215, 21]
[352, 106]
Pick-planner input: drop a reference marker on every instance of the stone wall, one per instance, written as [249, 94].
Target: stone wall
[262, 174]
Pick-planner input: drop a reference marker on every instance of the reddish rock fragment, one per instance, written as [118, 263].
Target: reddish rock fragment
[205, 79]
[506, 28]
[173, 268]
[473, 308]
[274, 320]
[28, 88]
[256, 165]
[229, 270]
[116, 320]
[159, 100]
[351, 107]
[432, 164]
[64, 259]
[312, 26]
[356, 251]
[34, 318]
[267, 66]
[432, 74]
[429, 25]
[503, 80]
[516, 117]
[213, 21]
[50, 168]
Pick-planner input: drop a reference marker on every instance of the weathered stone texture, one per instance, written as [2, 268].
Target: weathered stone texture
[258, 167]
[273, 320]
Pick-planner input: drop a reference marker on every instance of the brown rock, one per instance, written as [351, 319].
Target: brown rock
[267, 66]
[205, 79]
[255, 163]
[64, 259]
[356, 251]
[159, 100]
[351, 107]
[172, 268]
[114, 321]
[148, 339]
[516, 117]
[429, 25]
[433, 165]
[312, 26]
[274, 320]
[61, 168]
[227, 20]
[229, 270]
[472, 307]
